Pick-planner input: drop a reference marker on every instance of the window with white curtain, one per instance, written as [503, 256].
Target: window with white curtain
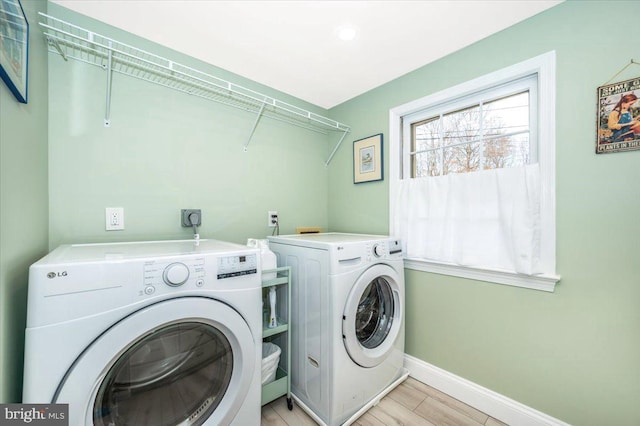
[472, 185]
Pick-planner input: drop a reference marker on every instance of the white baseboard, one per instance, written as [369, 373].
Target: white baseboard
[495, 405]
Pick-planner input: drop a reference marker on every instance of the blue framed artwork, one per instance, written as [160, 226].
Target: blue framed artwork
[367, 159]
[14, 47]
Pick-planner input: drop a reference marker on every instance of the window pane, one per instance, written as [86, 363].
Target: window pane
[487, 135]
[506, 122]
[426, 134]
[461, 126]
[426, 164]
[508, 151]
[462, 158]
[507, 115]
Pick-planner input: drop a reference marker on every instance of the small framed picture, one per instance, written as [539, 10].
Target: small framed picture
[14, 52]
[367, 159]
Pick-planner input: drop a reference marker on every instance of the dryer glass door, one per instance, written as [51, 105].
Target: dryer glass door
[166, 378]
[372, 316]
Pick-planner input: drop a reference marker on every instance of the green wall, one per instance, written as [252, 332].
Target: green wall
[23, 203]
[573, 354]
[166, 150]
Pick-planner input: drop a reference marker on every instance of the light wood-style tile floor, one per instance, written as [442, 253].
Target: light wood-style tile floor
[411, 403]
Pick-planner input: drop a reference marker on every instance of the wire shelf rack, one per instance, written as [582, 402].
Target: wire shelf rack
[73, 42]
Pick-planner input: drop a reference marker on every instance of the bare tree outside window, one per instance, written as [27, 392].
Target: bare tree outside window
[488, 135]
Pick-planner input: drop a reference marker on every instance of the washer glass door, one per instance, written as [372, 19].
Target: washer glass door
[173, 376]
[372, 316]
[183, 361]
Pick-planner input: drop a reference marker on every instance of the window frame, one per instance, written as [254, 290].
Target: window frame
[545, 67]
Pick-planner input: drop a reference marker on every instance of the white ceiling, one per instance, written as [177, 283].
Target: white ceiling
[293, 46]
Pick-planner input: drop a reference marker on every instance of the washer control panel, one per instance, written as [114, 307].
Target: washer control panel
[238, 265]
[176, 274]
[173, 274]
[190, 272]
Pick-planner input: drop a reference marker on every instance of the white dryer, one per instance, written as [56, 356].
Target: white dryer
[150, 333]
[347, 321]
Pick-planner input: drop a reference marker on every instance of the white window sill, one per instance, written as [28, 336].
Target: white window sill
[535, 282]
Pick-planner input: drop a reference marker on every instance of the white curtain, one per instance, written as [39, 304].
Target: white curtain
[488, 219]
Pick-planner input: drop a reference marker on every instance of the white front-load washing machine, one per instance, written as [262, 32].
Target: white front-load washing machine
[148, 333]
[347, 320]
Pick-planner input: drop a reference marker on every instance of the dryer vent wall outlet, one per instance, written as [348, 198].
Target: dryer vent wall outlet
[186, 221]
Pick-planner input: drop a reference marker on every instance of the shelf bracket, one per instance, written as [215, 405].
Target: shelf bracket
[255, 125]
[108, 67]
[53, 42]
[326, 164]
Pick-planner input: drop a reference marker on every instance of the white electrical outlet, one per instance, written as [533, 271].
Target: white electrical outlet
[114, 218]
[272, 219]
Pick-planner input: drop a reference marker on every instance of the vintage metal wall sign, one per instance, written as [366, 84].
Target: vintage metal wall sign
[618, 120]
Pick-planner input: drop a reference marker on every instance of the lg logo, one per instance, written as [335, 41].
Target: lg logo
[57, 274]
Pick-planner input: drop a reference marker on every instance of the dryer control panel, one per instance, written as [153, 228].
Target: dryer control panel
[387, 248]
[350, 256]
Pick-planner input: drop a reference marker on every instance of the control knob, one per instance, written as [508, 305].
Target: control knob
[176, 274]
[378, 250]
